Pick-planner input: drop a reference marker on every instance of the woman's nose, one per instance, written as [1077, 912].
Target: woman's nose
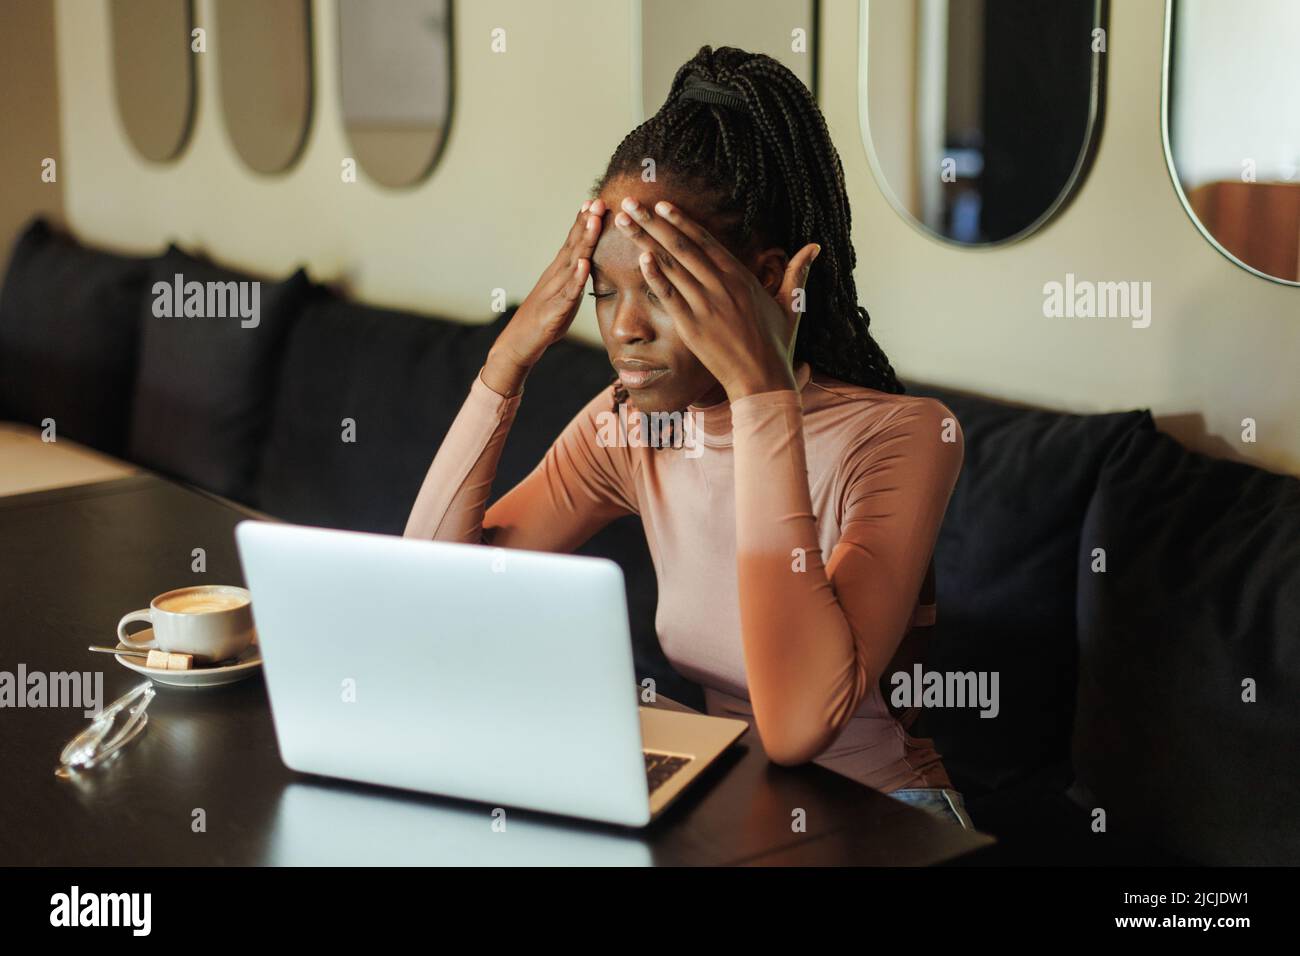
[631, 324]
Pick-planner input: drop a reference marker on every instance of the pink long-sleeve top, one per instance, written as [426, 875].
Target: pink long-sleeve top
[791, 538]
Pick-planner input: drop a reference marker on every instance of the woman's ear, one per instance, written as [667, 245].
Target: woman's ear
[769, 267]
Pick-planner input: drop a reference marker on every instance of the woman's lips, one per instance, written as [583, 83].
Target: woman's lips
[640, 377]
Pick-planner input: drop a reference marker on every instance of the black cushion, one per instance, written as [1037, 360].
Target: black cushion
[204, 387]
[1005, 566]
[402, 378]
[69, 319]
[1201, 592]
[399, 377]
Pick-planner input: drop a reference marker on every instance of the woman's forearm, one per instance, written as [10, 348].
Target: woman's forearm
[804, 676]
[451, 503]
[818, 631]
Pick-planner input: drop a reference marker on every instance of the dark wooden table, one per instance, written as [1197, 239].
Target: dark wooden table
[204, 784]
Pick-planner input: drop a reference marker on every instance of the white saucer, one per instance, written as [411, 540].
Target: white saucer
[245, 665]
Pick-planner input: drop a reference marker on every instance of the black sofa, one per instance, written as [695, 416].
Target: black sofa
[1128, 592]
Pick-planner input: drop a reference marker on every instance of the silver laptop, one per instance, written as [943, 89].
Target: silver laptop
[490, 674]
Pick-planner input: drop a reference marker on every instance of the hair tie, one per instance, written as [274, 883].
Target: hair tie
[696, 88]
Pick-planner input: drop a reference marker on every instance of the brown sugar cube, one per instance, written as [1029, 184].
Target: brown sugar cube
[169, 662]
[180, 662]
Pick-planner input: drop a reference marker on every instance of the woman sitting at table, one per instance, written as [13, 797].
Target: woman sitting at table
[724, 292]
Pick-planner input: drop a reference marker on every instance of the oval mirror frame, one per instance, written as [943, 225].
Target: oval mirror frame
[425, 166]
[1166, 78]
[266, 144]
[141, 93]
[1074, 181]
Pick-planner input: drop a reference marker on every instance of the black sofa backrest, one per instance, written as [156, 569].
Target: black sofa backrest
[1006, 565]
[361, 400]
[69, 333]
[204, 383]
[1188, 721]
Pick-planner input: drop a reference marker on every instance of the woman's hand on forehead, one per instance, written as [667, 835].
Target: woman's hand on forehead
[739, 331]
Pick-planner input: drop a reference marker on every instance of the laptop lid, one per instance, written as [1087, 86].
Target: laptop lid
[490, 674]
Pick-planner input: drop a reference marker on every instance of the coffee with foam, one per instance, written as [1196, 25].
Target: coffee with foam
[201, 602]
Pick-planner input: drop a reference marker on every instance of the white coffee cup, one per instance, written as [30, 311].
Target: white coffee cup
[211, 621]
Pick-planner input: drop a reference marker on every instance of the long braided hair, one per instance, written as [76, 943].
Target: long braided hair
[766, 173]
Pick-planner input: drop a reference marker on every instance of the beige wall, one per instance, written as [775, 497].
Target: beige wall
[29, 118]
[533, 127]
[760, 26]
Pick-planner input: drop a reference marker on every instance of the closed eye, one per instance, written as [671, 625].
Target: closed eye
[606, 295]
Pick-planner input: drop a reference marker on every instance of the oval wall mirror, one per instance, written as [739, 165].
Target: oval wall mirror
[395, 79]
[153, 73]
[1231, 117]
[264, 65]
[980, 117]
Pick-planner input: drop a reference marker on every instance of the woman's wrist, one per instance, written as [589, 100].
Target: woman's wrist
[503, 373]
[760, 381]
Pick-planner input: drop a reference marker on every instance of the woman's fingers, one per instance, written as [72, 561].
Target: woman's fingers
[683, 280]
[571, 239]
[571, 279]
[581, 241]
[575, 278]
[695, 236]
[571, 291]
[672, 301]
[705, 267]
[549, 309]
[583, 234]
[796, 278]
[592, 219]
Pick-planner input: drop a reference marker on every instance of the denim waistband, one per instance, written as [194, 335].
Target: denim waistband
[942, 802]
